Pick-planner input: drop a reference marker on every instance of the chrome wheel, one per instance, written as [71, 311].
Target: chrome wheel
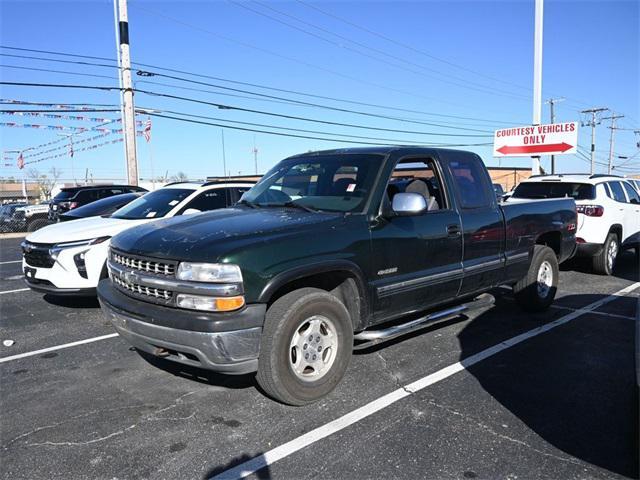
[545, 279]
[313, 348]
[612, 253]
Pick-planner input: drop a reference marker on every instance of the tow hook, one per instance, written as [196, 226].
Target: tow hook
[161, 352]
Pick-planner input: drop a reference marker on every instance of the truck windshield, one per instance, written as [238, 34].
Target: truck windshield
[332, 183]
[153, 204]
[577, 191]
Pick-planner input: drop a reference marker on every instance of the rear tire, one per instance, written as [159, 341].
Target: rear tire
[37, 224]
[536, 291]
[605, 261]
[306, 346]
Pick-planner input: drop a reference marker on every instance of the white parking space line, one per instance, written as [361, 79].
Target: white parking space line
[12, 261]
[57, 347]
[254, 465]
[606, 314]
[14, 277]
[14, 291]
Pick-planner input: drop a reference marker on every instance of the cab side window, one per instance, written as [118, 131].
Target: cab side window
[631, 193]
[617, 192]
[209, 200]
[417, 176]
[471, 183]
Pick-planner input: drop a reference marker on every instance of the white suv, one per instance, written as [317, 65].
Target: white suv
[608, 212]
[69, 258]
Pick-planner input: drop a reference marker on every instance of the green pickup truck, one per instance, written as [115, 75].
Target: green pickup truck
[329, 252]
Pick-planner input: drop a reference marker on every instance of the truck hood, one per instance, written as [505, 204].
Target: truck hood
[82, 229]
[208, 236]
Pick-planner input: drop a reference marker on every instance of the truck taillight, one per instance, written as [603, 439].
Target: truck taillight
[590, 210]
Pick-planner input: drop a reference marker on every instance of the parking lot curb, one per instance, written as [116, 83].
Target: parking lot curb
[12, 235]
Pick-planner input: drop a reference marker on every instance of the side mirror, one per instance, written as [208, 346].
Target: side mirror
[405, 204]
[191, 211]
[634, 200]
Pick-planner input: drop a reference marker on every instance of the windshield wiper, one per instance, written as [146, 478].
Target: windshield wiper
[298, 205]
[248, 203]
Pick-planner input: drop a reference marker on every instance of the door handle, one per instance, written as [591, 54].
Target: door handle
[453, 230]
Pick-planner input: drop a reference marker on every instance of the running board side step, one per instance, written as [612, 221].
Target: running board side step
[373, 337]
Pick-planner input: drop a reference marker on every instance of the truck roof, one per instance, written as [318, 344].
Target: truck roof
[381, 150]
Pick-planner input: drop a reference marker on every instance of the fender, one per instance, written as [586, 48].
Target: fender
[310, 269]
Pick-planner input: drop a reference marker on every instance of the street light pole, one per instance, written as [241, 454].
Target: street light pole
[537, 76]
[128, 118]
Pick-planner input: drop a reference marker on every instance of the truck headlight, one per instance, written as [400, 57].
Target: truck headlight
[211, 304]
[209, 272]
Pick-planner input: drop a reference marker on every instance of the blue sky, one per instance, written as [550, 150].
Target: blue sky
[454, 58]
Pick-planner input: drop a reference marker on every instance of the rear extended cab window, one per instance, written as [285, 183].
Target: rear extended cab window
[555, 189]
[472, 185]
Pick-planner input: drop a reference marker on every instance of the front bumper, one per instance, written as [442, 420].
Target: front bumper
[226, 343]
[45, 286]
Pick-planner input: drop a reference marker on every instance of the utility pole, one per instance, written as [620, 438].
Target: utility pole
[224, 156]
[255, 155]
[613, 128]
[537, 76]
[594, 121]
[129, 116]
[552, 102]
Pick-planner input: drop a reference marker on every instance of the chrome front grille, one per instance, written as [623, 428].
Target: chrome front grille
[138, 289]
[143, 264]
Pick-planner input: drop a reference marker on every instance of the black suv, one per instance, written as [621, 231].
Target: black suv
[74, 197]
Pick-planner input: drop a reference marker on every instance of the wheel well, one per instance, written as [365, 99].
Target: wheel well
[551, 240]
[341, 284]
[617, 229]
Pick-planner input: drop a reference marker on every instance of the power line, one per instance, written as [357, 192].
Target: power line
[483, 88]
[230, 107]
[343, 110]
[294, 92]
[411, 47]
[299, 136]
[173, 112]
[291, 59]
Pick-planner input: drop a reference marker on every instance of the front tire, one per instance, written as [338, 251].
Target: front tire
[536, 291]
[306, 346]
[37, 225]
[605, 261]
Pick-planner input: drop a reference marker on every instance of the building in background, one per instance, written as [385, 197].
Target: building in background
[11, 192]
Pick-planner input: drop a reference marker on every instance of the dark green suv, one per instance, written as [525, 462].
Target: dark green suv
[323, 250]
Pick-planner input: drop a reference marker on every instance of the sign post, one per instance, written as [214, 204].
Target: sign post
[536, 140]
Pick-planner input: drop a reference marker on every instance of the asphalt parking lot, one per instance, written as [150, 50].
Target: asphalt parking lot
[500, 394]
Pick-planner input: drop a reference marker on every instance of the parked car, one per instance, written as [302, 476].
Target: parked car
[100, 208]
[7, 220]
[31, 217]
[68, 258]
[74, 197]
[608, 212]
[327, 248]
[499, 191]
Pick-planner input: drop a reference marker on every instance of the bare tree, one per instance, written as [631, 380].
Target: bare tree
[179, 177]
[45, 182]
